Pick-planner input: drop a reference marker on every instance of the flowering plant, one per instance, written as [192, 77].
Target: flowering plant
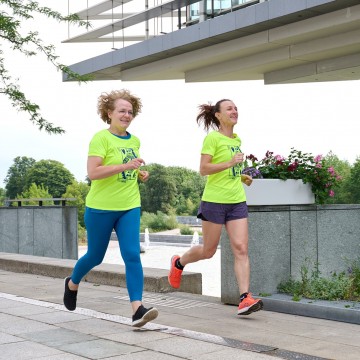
[297, 165]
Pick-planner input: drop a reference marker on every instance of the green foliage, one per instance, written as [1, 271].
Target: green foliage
[298, 165]
[35, 192]
[2, 196]
[25, 171]
[82, 235]
[342, 167]
[79, 191]
[190, 185]
[159, 192]
[12, 15]
[171, 190]
[185, 230]
[340, 286]
[264, 294]
[352, 187]
[354, 273]
[16, 178]
[51, 174]
[157, 222]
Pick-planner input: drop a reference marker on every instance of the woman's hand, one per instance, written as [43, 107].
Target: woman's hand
[238, 158]
[135, 163]
[96, 169]
[246, 179]
[143, 175]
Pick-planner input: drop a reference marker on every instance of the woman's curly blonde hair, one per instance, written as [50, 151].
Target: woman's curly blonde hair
[106, 103]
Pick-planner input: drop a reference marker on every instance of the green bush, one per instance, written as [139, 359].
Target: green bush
[157, 222]
[186, 230]
[340, 286]
[82, 240]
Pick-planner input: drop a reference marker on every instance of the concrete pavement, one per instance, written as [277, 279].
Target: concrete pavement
[35, 325]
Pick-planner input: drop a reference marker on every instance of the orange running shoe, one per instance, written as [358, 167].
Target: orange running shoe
[174, 276]
[249, 305]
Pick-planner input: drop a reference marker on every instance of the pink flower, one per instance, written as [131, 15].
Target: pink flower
[331, 170]
[318, 158]
[331, 193]
[279, 158]
[318, 165]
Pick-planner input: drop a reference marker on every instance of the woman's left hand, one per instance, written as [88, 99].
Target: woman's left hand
[143, 175]
[246, 179]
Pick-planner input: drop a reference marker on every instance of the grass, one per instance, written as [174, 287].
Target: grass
[339, 286]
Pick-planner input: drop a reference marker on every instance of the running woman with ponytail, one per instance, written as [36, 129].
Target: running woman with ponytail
[223, 201]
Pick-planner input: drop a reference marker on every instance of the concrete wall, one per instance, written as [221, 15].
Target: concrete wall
[49, 231]
[164, 239]
[189, 220]
[284, 238]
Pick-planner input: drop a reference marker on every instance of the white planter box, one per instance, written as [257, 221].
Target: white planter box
[278, 192]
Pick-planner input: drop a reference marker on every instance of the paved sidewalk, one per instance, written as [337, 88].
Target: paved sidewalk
[35, 325]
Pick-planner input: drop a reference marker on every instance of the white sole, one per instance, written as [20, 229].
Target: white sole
[149, 316]
[255, 307]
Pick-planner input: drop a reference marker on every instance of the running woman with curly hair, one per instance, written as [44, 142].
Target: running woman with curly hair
[113, 201]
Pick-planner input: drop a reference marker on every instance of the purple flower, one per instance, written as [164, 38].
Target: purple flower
[253, 172]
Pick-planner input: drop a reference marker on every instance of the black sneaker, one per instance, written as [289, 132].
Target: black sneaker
[69, 296]
[143, 315]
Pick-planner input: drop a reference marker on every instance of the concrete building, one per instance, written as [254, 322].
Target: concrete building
[279, 41]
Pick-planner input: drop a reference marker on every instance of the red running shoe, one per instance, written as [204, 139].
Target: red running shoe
[174, 276]
[249, 305]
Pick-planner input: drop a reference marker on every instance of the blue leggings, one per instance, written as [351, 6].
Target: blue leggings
[99, 225]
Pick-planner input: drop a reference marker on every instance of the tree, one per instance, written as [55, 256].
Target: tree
[16, 178]
[36, 192]
[159, 192]
[352, 186]
[2, 196]
[172, 189]
[12, 15]
[343, 169]
[52, 175]
[78, 190]
[190, 186]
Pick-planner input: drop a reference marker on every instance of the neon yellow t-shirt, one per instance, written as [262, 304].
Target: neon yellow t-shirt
[224, 187]
[120, 191]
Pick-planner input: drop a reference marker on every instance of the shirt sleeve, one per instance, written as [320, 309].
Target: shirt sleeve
[97, 146]
[209, 146]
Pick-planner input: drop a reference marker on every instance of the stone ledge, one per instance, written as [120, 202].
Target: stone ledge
[155, 280]
[345, 311]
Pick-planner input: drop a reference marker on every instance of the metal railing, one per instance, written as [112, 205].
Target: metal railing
[40, 201]
[160, 19]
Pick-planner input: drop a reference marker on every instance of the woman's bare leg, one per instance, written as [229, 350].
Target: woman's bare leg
[239, 239]
[211, 233]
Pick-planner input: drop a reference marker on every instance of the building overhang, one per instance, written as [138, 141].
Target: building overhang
[277, 41]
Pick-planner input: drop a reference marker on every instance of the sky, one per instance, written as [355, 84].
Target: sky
[312, 117]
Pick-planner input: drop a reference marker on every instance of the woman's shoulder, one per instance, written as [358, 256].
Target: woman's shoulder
[101, 133]
[212, 135]
[134, 137]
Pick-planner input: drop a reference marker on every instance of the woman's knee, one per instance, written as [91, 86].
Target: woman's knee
[209, 253]
[241, 251]
[131, 257]
[91, 260]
